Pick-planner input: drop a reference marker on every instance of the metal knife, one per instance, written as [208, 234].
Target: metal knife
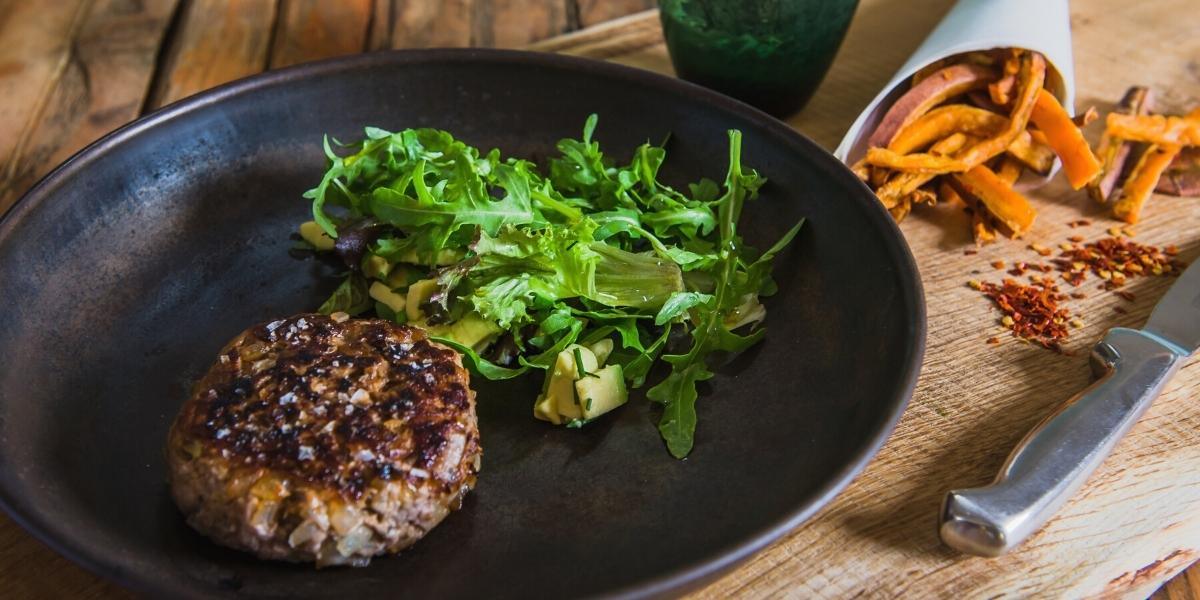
[1054, 459]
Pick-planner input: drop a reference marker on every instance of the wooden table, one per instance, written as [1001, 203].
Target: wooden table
[73, 70]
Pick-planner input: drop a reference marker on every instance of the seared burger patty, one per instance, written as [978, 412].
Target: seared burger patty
[317, 440]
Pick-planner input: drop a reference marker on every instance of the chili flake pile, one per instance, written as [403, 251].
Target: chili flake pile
[1114, 260]
[1031, 311]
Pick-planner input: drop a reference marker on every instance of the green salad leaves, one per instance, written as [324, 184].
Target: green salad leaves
[523, 269]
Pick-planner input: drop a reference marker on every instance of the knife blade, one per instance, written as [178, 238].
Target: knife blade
[1058, 455]
[1176, 317]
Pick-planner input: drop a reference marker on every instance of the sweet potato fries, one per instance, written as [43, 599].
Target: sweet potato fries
[965, 132]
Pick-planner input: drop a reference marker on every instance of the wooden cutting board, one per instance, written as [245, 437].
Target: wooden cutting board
[1137, 521]
[72, 70]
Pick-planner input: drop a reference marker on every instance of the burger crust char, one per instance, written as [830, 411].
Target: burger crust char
[322, 440]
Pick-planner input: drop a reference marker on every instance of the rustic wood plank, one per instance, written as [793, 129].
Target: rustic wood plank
[480, 23]
[1134, 524]
[314, 29]
[615, 40]
[217, 41]
[595, 12]
[417, 24]
[105, 70]
[379, 36]
[516, 23]
[32, 61]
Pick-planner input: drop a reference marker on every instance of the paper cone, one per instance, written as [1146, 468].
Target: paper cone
[973, 25]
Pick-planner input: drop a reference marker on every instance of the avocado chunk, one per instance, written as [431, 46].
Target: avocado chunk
[443, 257]
[471, 330]
[376, 267]
[382, 293]
[602, 349]
[419, 293]
[559, 390]
[601, 391]
[313, 234]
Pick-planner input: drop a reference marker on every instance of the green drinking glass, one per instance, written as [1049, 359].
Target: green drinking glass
[770, 53]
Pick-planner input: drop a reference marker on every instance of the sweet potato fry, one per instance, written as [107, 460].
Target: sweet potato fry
[1182, 177]
[1155, 129]
[1009, 171]
[940, 86]
[1066, 139]
[947, 194]
[1035, 155]
[944, 121]
[1010, 208]
[1030, 78]
[901, 210]
[1089, 115]
[922, 196]
[929, 164]
[903, 184]
[981, 230]
[1114, 152]
[1141, 182]
[1000, 91]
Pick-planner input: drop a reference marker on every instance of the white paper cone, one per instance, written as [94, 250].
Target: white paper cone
[972, 25]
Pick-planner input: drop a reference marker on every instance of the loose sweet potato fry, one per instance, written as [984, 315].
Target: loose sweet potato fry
[1010, 208]
[943, 122]
[1155, 129]
[1182, 177]
[929, 164]
[1115, 153]
[901, 210]
[1141, 182]
[940, 86]
[1035, 155]
[1066, 139]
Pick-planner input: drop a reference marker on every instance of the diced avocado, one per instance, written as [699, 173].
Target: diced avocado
[544, 409]
[381, 292]
[313, 234]
[397, 277]
[419, 293]
[471, 330]
[601, 391]
[443, 258]
[563, 376]
[376, 267]
[602, 349]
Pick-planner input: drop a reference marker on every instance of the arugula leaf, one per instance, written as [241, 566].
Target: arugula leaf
[677, 392]
[678, 304]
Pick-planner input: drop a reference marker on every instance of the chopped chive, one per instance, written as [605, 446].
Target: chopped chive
[579, 366]
[587, 405]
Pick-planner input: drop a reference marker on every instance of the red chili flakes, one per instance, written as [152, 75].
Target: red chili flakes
[1127, 295]
[1030, 311]
[970, 252]
[1078, 295]
[1116, 259]
[993, 340]
[1120, 310]
[1079, 223]
[1078, 239]
[997, 264]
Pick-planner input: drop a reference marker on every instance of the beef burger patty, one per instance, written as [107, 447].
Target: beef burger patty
[325, 439]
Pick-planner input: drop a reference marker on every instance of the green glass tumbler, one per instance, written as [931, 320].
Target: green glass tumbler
[770, 53]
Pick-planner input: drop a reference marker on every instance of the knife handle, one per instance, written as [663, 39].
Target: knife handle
[1058, 455]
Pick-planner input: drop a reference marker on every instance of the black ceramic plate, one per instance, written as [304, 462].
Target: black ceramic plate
[124, 271]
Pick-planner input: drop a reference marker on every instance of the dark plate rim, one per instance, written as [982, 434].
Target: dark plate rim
[690, 576]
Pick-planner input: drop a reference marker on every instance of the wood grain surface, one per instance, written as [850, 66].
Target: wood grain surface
[73, 69]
